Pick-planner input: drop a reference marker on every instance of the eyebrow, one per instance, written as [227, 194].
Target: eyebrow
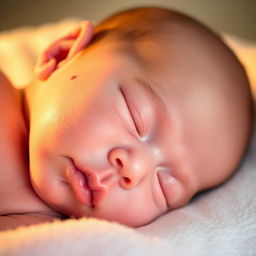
[148, 88]
[154, 95]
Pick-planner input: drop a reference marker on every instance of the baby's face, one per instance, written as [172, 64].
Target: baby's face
[133, 144]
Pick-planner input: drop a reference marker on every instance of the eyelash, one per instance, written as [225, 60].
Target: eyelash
[135, 117]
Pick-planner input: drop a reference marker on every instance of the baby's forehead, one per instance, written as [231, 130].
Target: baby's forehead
[170, 59]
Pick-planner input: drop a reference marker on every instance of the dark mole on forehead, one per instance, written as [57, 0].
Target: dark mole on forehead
[73, 77]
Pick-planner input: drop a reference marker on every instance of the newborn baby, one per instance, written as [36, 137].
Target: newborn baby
[125, 125]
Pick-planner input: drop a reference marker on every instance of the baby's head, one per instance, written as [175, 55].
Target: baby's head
[153, 111]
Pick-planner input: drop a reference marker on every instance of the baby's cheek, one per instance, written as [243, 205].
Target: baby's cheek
[175, 191]
[135, 209]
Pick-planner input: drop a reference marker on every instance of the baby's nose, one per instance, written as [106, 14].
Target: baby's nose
[132, 166]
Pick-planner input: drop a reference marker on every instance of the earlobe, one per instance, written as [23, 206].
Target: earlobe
[43, 71]
[63, 49]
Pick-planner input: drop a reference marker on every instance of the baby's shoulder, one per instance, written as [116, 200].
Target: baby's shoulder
[9, 95]
[12, 145]
[17, 198]
[10, 105]
[12, 128]
[11, 114]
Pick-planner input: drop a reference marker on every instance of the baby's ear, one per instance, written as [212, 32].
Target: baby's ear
[63, 49]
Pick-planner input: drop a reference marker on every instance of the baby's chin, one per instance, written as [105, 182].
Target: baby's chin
[135, 221]
[130, 222]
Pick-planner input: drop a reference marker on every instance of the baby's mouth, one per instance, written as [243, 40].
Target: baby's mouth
[84, 185]
[79, 183]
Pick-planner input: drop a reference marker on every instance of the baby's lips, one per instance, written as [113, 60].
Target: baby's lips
[97, 189]
[78, 183]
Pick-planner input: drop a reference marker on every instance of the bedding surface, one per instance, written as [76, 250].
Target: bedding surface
[221, 221]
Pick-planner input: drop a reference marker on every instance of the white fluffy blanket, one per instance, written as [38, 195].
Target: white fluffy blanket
[218, 222]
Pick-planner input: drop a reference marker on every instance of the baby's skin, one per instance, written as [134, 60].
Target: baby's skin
[99, 134]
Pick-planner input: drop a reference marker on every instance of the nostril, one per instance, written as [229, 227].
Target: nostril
[127, 180]
[119, 162]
